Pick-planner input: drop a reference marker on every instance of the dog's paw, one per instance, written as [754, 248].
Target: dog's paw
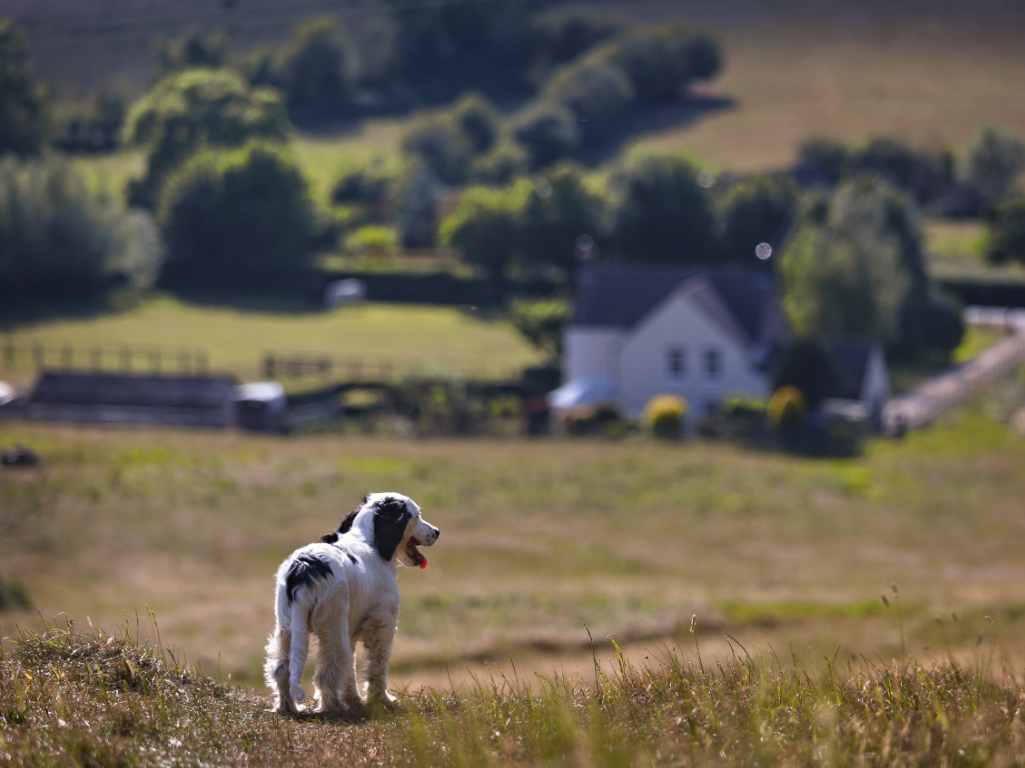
[387, 700]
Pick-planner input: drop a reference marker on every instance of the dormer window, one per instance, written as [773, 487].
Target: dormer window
[676, 362]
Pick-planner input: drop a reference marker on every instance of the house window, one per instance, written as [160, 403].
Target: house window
[676, 363]
[713, 362]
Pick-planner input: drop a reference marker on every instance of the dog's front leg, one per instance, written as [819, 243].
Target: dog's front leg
[378, 636]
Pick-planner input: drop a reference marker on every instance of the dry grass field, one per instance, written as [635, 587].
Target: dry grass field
[543, 541]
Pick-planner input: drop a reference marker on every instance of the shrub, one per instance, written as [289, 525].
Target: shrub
[664, 416]
[562, 36]
[477, 120]
[237, 218]
[826, 160]
[485, 228]
[23, 102]
[542, 323]
[664, 214]
[60, 240]
[504, 163]
[208, 48]
[316, 70]
[994, 162]
[94, 127]
[787, 409]
[804, 365]
[922, 174]
[438, 143]
[548, 133]
[932, 323]
[192, 109]
[371, 185]
[663, 62]
[559, 212]
[1005, 240]
[374, 240]
[598, 93]
[763, 209]
[417, 207]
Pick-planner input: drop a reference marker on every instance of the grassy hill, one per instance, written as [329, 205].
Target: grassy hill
[98, 700]
[542, 540]
[932, 73]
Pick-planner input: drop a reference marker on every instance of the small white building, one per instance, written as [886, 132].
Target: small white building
[706, 335]
[642, 331]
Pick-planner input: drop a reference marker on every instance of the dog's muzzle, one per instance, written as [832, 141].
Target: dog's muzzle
[429, 539]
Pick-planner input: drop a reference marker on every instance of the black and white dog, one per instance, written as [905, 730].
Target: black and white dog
[343, 589]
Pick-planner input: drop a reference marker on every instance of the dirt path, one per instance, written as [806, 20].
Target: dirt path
[943, 392]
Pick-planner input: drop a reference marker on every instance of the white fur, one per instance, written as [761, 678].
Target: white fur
[358, 601]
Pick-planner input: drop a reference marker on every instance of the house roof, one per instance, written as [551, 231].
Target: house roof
[744, 302]
[849, 361]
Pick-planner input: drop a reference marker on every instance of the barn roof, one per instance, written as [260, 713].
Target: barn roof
[616, 295]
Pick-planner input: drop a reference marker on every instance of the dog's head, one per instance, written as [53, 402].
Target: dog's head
[393, 524]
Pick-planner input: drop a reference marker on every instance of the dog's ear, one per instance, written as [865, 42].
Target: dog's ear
[329, 538]
[390, 519]
[347, 522]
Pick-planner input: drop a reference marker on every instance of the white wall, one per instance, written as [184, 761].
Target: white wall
[592, 352]
[678, 323]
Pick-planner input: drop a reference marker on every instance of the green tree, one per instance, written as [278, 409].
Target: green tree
[856, 270]
[842, 285]
[23, 104]
[1006, 238]
[994, 163]
[192, 109]
[751, 212]
[59, 240]
[662, 62]
[542, 323]
[548, 133]
[417, 199]
[477, 120]
[236, 218]
[561, 210]
[597, 93]
[486, 228]
[664, 214]
[316, 70]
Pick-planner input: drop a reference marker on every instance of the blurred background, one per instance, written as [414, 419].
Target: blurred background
[659, 309]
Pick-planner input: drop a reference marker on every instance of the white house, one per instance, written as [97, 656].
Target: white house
[703, 334]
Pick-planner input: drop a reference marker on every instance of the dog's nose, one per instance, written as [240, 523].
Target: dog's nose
[437, 535]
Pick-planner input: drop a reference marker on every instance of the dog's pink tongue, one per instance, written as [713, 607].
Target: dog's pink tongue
[423, 563]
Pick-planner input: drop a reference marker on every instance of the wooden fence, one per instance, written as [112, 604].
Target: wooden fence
[121, 358]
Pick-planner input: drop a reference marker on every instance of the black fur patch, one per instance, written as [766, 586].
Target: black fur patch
[303, 571]
[329, 538]
[352, 557]
[390, 520]
[349, 519]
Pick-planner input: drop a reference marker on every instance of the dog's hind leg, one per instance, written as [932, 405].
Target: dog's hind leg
[300, 647]
[335, 668]
[276, 669]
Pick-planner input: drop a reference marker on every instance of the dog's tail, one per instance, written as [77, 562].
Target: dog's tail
[286, 651]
